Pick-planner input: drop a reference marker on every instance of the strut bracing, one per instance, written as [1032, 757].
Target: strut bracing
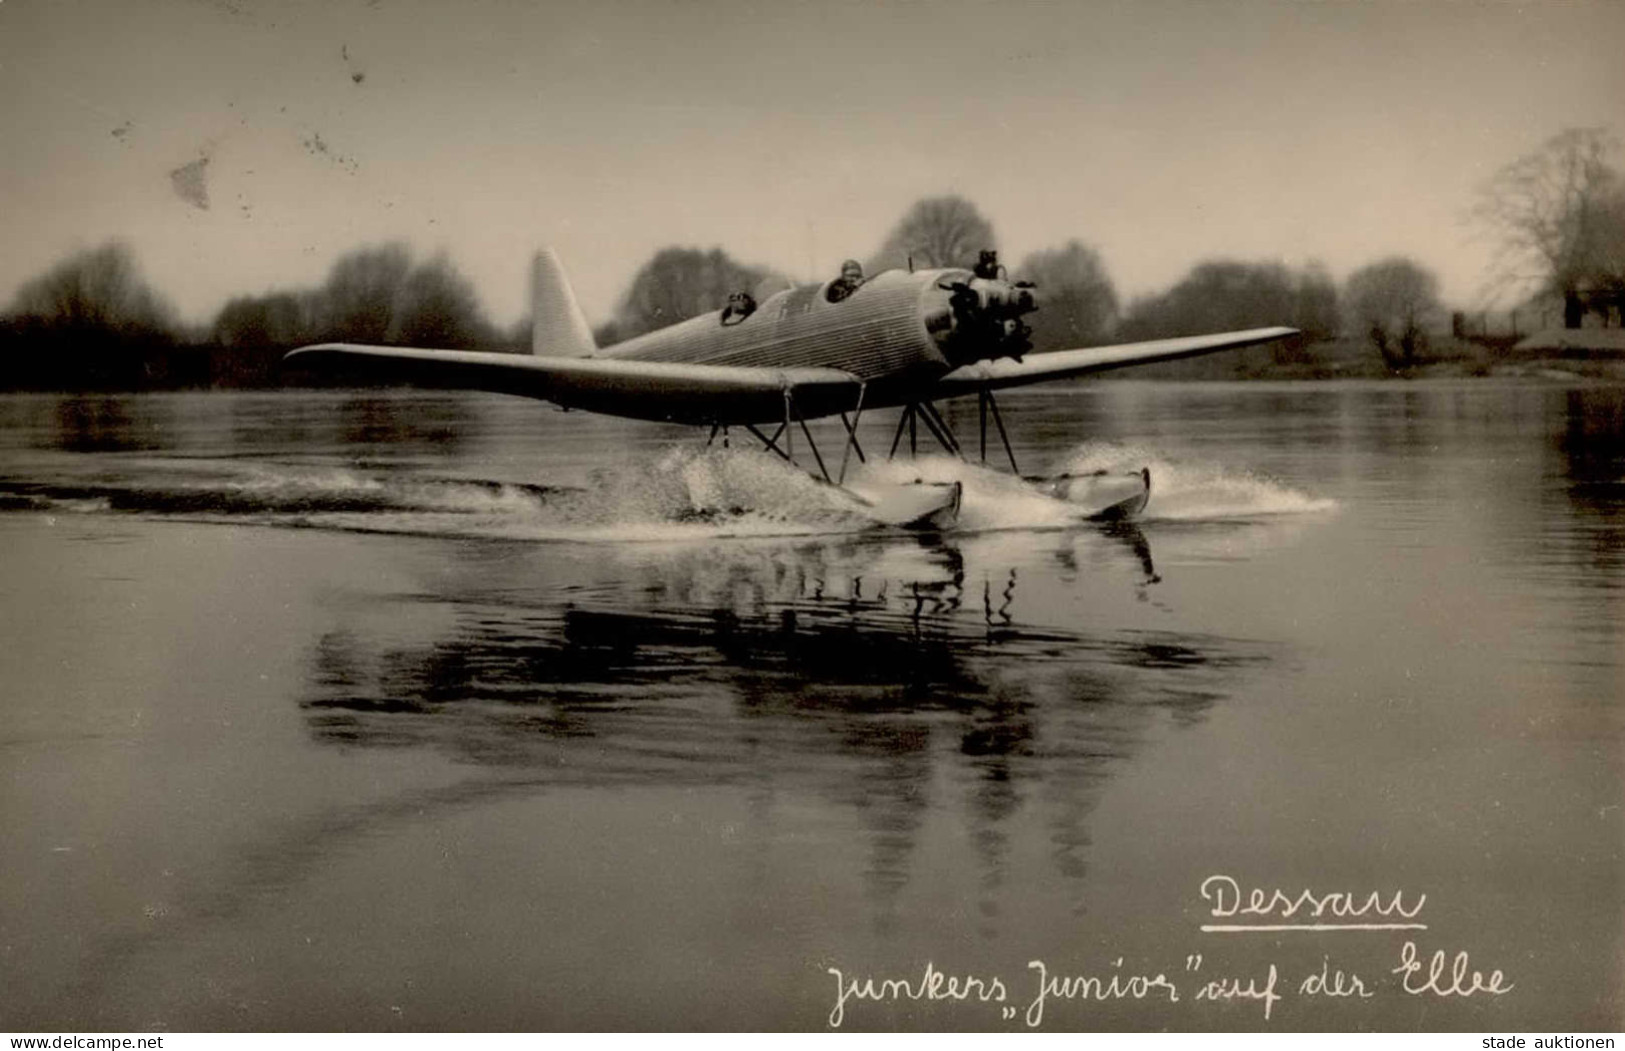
[984, 402]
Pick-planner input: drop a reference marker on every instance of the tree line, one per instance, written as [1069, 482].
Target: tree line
[92, 321]
[1558, 214]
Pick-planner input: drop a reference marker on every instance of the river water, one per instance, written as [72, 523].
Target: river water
[405, 710]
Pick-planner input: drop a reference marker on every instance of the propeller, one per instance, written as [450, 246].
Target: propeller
[987, 312]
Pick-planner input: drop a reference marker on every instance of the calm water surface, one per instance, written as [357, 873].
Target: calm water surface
[373, 711]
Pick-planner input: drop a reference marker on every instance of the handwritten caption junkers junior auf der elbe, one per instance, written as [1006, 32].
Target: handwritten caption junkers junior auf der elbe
[1413, 971]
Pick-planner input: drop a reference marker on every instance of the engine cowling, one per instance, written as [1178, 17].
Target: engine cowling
[983, 318]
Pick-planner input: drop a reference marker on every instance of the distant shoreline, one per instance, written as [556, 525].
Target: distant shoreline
[1335, 359]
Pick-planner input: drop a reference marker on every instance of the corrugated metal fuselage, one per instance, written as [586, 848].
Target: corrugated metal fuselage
[888, 334]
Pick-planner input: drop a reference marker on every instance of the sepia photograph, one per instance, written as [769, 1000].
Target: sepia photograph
[917, 516]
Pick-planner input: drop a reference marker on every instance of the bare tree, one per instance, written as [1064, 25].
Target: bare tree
[437, 307]
[1226, 294]
[253, 332]
[1393, 301]
[377, 295]
[357, 301]
[89, 321]
[1215, 296]
[101, 289]
[1077, 305]
[1608, 275]
[936, 231]
[278, 319]
[1559, 214]
[1316, 314]
[677, 284]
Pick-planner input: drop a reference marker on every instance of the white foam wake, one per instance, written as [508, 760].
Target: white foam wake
[1195, 492]
[685, 493]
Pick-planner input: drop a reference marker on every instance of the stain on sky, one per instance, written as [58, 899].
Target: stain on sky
[191, 183]
[317, 146]
[356, 75]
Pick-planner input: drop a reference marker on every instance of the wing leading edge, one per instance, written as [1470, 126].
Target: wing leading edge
[730, 394]
[646, 390]
[1037, 368]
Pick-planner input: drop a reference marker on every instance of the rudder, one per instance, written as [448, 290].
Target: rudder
[558, 328]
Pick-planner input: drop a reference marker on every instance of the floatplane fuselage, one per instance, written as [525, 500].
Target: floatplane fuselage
[900, 338]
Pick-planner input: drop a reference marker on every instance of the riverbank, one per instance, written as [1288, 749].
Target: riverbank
[1597, 354]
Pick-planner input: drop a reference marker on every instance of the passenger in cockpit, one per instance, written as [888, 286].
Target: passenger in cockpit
[843, 286]
[741, 305]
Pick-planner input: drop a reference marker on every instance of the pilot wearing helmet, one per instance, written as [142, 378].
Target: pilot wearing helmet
[843, 286]
[741, 305]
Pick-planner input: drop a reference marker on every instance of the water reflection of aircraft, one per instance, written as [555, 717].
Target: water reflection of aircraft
[845, 674]
[901, 338]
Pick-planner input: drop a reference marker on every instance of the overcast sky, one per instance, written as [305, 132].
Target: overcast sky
[790, 135]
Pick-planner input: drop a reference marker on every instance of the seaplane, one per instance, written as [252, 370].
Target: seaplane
[903, 339]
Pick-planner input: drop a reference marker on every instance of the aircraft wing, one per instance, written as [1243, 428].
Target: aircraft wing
[1036, 368]
[639, 389]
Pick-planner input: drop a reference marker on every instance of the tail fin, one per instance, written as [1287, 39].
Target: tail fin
[558, 328]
